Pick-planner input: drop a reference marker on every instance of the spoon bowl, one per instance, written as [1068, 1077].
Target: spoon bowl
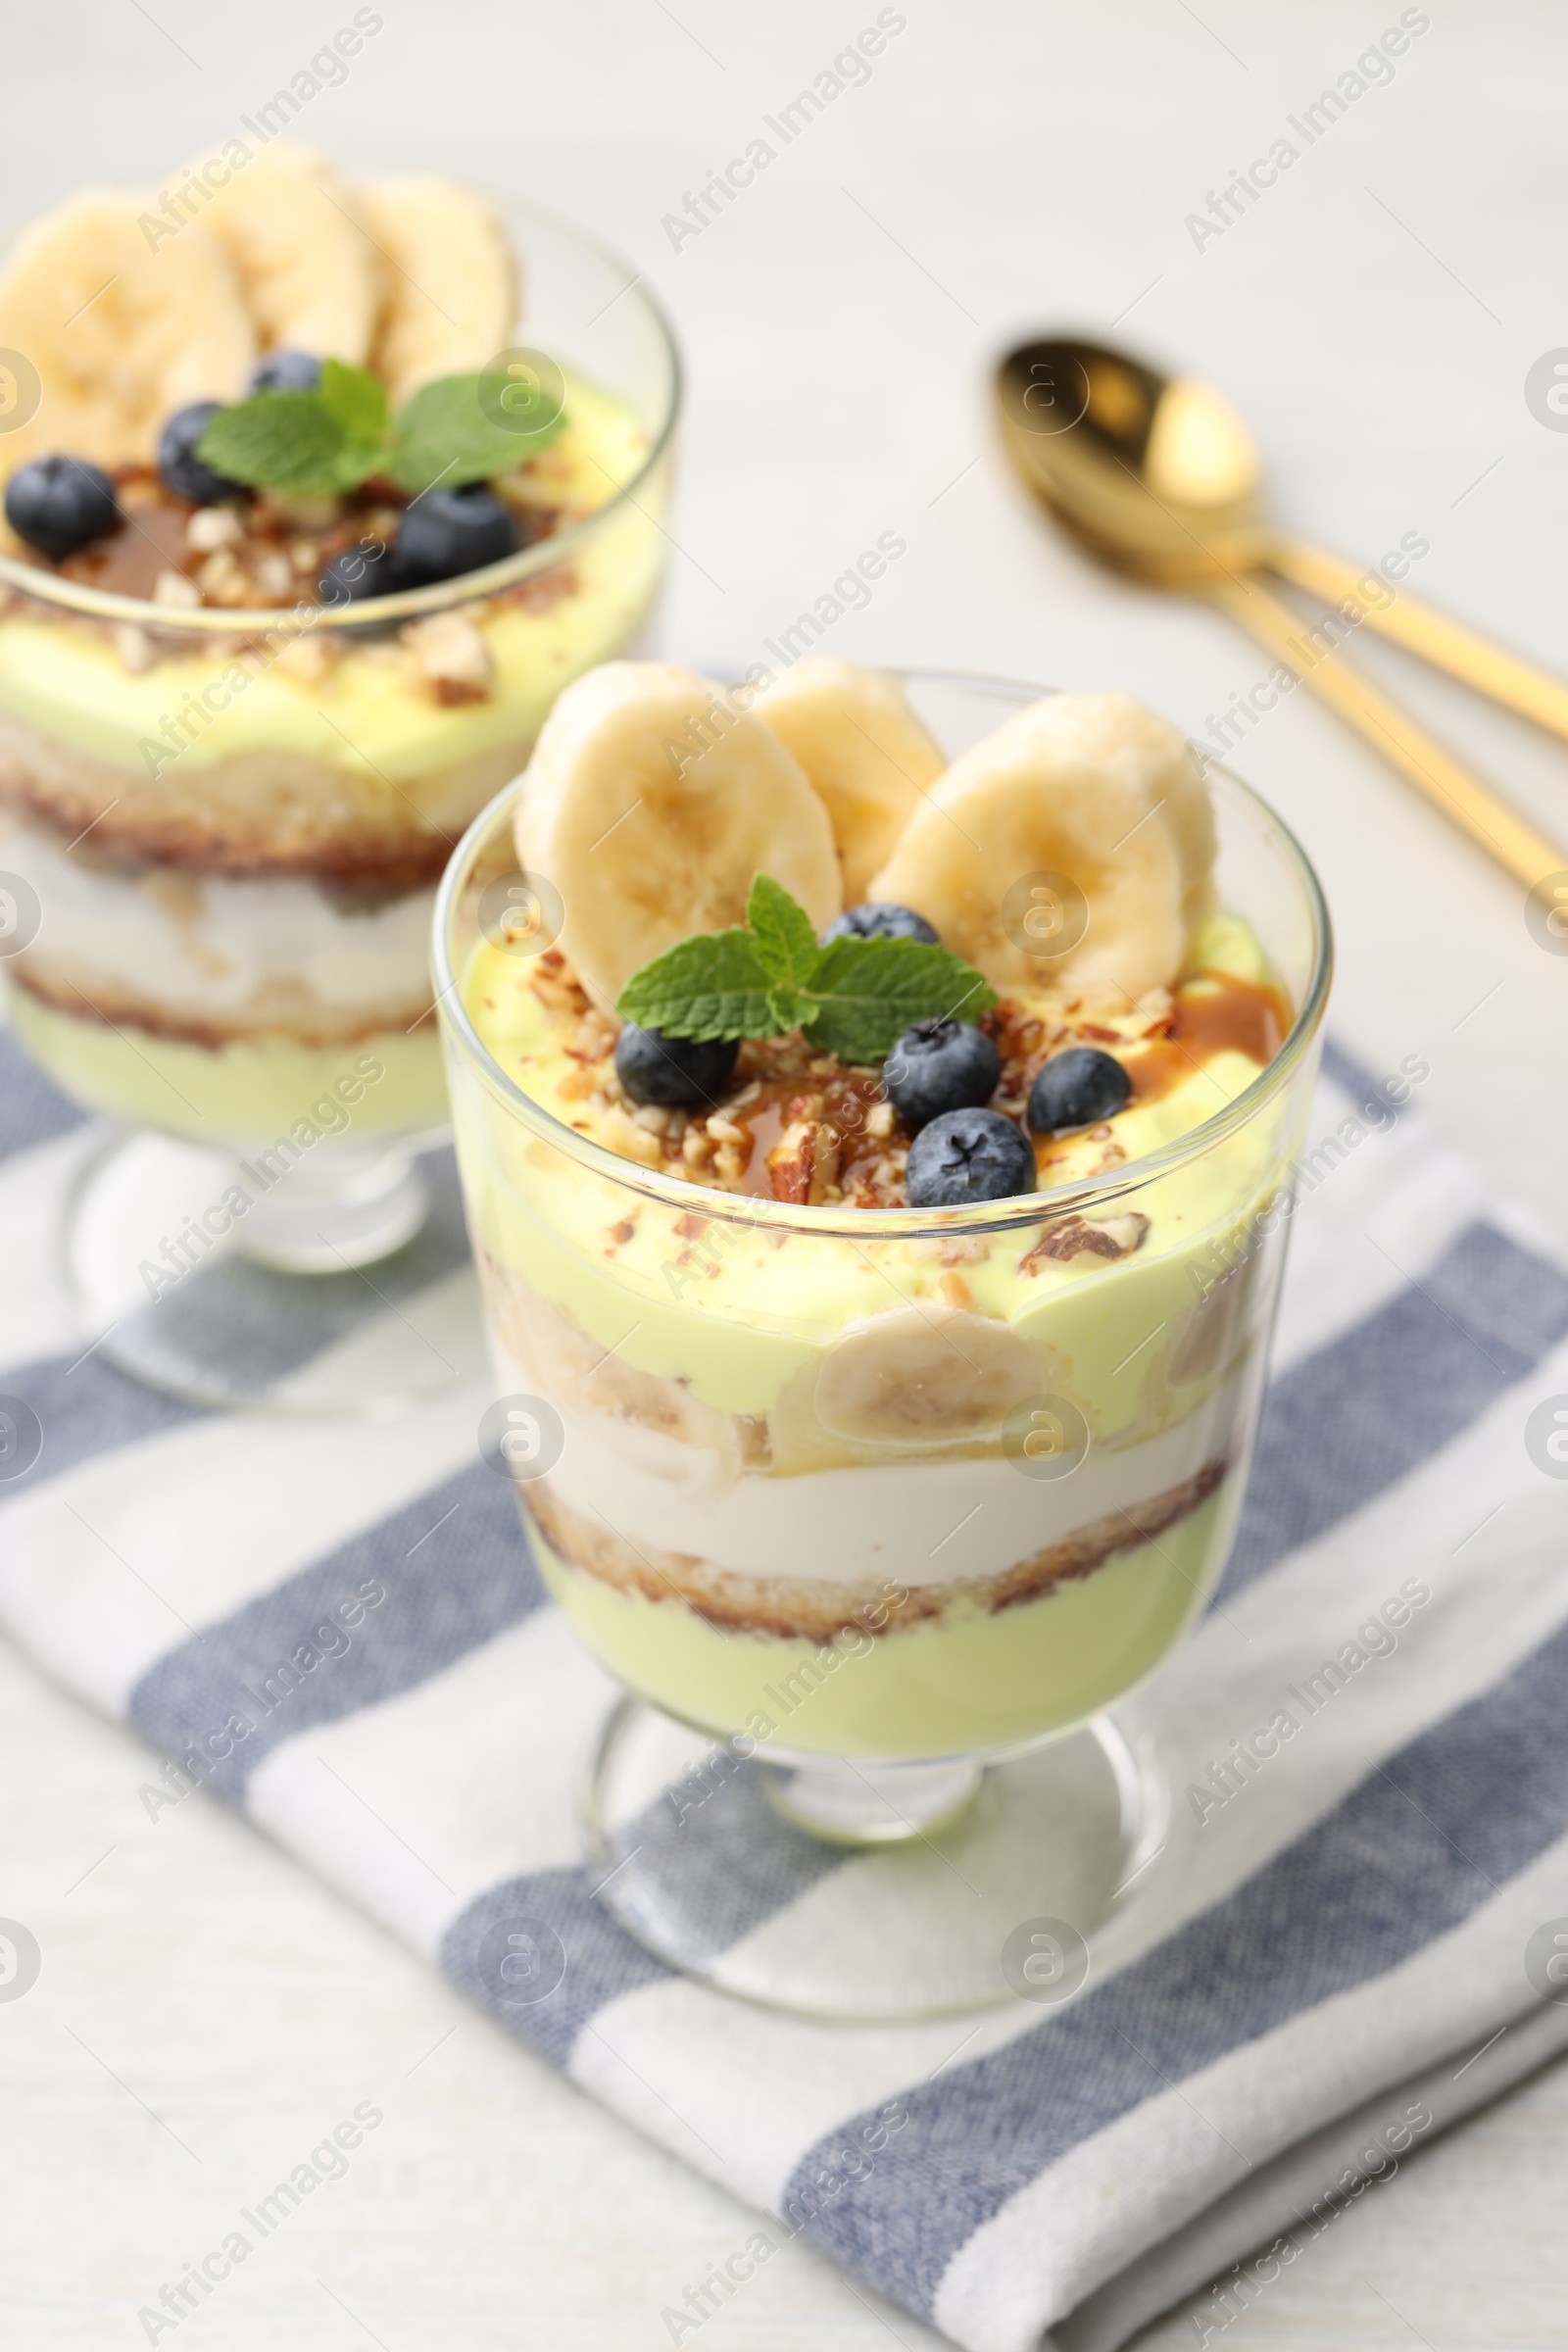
[1156, 473]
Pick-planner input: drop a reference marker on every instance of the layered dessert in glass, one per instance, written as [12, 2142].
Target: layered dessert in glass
[876, 1179]
[316, 496]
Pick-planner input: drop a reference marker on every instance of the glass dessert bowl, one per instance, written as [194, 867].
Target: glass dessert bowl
[880, 1398]
[246, 714]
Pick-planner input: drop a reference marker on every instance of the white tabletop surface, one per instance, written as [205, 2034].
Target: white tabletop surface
[1007, 165]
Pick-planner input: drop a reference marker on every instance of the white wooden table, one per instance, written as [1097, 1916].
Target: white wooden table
[1003, 165]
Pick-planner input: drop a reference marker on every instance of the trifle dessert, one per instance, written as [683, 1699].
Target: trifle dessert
[876, 1183]
[300, 544]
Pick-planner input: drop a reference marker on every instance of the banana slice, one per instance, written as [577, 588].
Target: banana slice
[927, 1379]
[648, 836]
[450, 280]
[1091, 786]
[866, 753]
[309, 273]
[674, 1432]
[121, 334]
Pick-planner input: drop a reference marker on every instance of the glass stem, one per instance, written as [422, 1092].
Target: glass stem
[870, 1803]
[343, 1204]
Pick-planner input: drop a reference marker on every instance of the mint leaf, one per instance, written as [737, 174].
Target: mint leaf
[782, 936]
[870, 991]
[711, 986]
[317, 442]
[854, 999]
[356, 399]
[447, 433]
[789, 1010]
[282, 441]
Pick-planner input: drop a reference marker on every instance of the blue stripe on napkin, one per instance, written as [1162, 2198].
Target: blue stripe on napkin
[600, 1962]
[85, 1408]
[1408, 1854]
[1343, 1425]
[748, 1865]
[453, 1571]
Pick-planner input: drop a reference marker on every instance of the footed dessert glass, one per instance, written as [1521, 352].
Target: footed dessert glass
[220, 832]
[875, 1513]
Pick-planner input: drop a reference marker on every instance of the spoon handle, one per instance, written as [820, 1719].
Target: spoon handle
[1420, 630]
[1517, 845]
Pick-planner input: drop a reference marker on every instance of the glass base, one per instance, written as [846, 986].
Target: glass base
[198, 1275]
[870, 1892]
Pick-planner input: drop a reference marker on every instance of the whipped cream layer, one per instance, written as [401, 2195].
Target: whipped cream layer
[921, 1518]
[201, 946]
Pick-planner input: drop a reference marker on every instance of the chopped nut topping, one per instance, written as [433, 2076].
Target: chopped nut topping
[176, 589]
[221, 581]
[447, 653]
[1077, 1237]
[211, 527]
[274, 577]
[623, 1135]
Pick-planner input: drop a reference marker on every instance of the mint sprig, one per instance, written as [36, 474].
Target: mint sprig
[325, 442]
[854, 999]
[448, 433]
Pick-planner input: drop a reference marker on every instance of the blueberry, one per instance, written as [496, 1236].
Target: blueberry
[672, 1071]
[880, 918]
[286, 372]
[360, 570]
[182, 469]
[1077, 1088]
[450, 532]
[966, 1155]
[940, 1065]
[60, 504]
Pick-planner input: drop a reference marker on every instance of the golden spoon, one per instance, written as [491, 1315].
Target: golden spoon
[1161, 479]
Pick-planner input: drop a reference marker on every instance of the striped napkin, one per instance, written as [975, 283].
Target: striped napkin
[1357, 1931]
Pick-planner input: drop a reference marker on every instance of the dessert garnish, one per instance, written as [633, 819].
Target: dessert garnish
[60, 504]
[286, 372]
[853, 997]
[181, 464]
[940, 1065]
[1077, 1088]
[865, 752]
[711, 1008]
[654, 1066]
[334, 436]
[879, 918]
[1093, 788]
[277, 358]
[966, 1156]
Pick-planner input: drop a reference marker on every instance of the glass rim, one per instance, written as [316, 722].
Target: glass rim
[906, 1223]
[408, 604]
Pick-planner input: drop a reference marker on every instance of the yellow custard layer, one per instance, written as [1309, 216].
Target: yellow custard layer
[713, 1298]
[241, 1092]
[67, 680]
[974, 1680]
